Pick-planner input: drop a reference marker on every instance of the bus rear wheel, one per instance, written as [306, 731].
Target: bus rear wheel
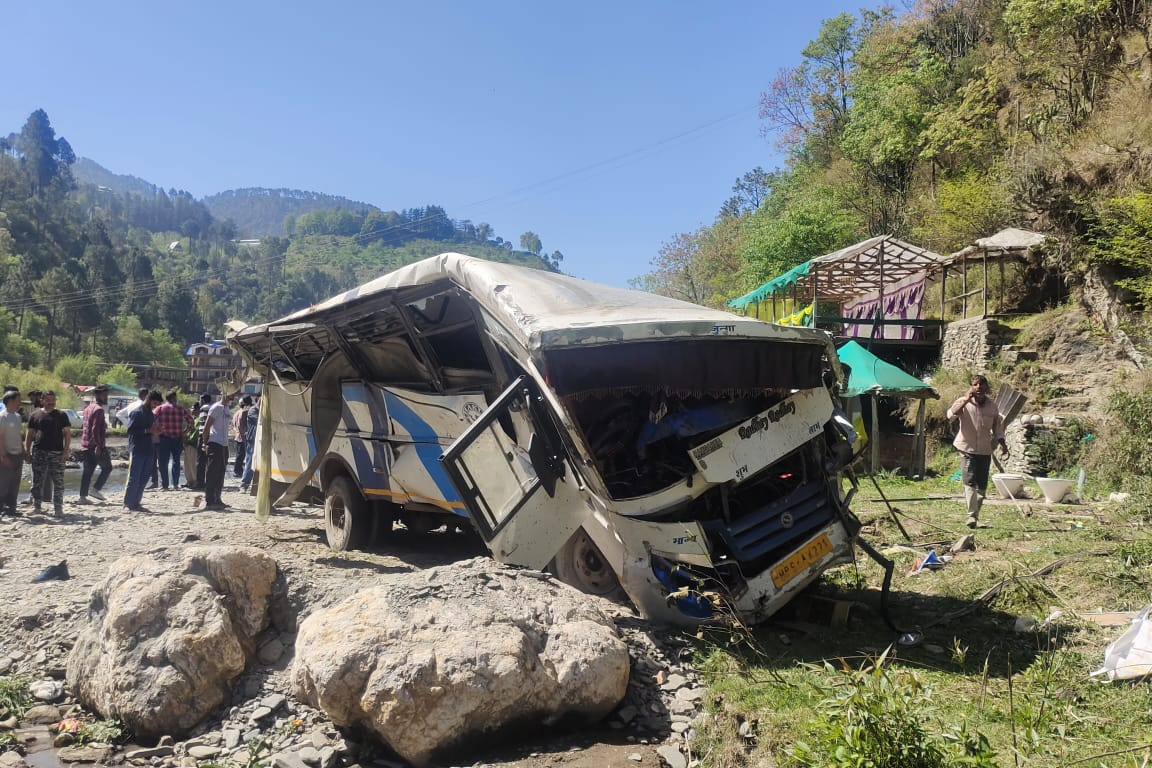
[346, 522]
[580, 564]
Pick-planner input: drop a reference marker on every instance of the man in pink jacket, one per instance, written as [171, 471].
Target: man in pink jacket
[981, 428]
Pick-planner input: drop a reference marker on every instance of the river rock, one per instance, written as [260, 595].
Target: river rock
[42, 714]
[165, 641]
[12, 760]
[87, 753]
[47, 690]
[432, 659]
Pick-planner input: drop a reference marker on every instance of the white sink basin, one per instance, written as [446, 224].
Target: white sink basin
[1054, 488]
[1009, 485]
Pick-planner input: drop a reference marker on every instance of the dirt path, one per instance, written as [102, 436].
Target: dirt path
[39, 621]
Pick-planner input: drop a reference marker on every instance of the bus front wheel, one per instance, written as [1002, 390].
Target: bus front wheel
[580, 564]
[346, 522]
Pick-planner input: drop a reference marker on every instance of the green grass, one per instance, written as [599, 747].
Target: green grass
[14, 696]
[842, 691]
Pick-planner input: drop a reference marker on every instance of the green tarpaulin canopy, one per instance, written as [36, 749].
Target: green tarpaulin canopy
[871, 375]
[786, 280]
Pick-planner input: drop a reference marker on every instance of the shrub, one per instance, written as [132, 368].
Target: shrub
[1121, 238]
[880, 717]
[1057, 450]
[1124, 450]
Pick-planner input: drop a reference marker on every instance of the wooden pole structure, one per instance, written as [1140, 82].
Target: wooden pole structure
[1000, 303]
[985, 270]
[880, 305]
[964, 289]
[919, 461]
[943, 293]
[815, 278]
[875, 434]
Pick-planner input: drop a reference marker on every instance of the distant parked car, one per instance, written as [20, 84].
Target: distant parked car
[74, 418]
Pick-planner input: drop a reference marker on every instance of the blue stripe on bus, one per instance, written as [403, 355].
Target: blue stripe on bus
[426, 442]
[361, 457]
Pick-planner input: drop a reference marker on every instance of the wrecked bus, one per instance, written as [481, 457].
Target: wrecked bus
[622, 440]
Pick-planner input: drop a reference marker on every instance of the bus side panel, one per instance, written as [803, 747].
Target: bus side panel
[420, 427]
[292, 443]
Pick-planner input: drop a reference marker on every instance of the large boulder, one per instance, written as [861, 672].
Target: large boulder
[429, 660]
[166, 640]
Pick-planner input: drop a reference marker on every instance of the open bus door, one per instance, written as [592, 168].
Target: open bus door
[526, 502]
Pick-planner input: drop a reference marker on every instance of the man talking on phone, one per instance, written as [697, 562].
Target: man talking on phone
[981, 428]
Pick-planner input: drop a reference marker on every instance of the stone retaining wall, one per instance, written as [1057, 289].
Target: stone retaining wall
[969, 344]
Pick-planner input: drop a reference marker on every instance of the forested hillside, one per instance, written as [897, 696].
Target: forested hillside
[942, 124]
[114, 269]
[87, 171]
[258, 212]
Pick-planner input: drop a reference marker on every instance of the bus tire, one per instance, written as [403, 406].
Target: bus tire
[580, 564]
[346, 521]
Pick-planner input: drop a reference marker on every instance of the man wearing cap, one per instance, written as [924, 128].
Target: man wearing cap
[6, 389]
[48, 441]
[94, 443]
[11, 452]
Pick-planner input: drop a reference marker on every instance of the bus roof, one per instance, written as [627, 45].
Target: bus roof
[546, 309]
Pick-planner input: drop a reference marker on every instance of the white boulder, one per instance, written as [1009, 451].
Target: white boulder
[166, 640]
[431, 659]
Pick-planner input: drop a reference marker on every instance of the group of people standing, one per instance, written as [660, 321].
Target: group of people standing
[161, 433]
[46, 444]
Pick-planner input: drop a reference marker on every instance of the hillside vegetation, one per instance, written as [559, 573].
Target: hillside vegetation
[259, 212]
[942, 124]
[98, 268]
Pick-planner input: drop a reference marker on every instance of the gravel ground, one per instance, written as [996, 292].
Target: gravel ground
[39, 622]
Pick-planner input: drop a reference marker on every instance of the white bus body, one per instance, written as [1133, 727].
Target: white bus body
[626, 441]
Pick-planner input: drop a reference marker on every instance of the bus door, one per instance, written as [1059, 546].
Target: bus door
[513, 475]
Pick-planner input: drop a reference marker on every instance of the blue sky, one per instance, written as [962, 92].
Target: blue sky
[605, 128]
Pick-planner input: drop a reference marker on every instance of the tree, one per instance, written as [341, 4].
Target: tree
[750, 190]
[530, 241]
[893, 87]
[800, 222]
[1068, 50]
[809, 103]
[119, 374]
[703, 267]
[78, 369]
[132, 343]
[42, 152]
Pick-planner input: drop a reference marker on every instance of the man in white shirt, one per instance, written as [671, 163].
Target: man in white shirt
[12, 453]
[215, 444]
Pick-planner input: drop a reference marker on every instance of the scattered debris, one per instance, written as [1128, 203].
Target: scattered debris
[1130, 655]
[966, 543]
[1025, 625]
[930, 562]
[58, 572]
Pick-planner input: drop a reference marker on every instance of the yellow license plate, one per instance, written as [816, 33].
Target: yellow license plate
[801, 559]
